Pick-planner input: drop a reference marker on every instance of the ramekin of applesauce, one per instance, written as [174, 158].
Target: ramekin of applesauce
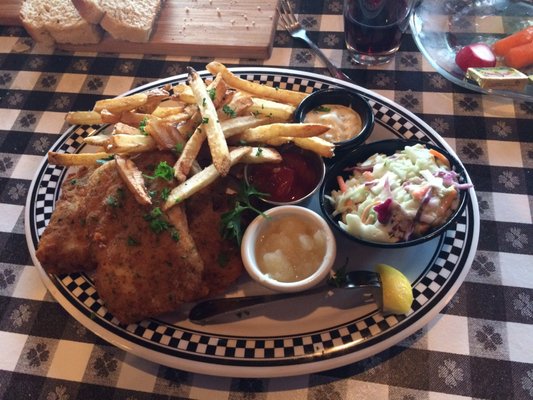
[288, 249]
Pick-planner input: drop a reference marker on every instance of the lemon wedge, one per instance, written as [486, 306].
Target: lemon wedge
[396, 288]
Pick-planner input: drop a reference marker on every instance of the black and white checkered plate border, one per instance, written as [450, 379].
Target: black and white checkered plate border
[328, 347]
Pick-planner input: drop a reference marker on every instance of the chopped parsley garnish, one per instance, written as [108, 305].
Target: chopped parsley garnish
[159, 225]
[255, 113]
[205, 120]
[152, 193]
[163, 171]
[142, 126]
[112, 201]
[164, 193]
[322, 109]
[231, 220]
[259, 152]
[73, 181]
[203, 102]
[116, 200]
[338, 279]
[229, 111]
[175, 235]
[155, 213]
[178, 148]
[212, 93]
[132, 241]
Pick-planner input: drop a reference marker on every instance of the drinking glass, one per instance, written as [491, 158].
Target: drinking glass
[373, 28]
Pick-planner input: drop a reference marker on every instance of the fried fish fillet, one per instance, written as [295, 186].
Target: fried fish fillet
[65, 244]
[147, 263]
[222, 259]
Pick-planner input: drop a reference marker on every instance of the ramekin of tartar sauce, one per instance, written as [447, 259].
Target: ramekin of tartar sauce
[288, 249]
[348, 114]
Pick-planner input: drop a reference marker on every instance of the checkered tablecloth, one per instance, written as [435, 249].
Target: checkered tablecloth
[479, 346]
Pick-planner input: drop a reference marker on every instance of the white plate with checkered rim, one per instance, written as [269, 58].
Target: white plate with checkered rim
[288, 339]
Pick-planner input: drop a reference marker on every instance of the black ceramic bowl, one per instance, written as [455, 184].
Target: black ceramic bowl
[346, 98]
[386, 147]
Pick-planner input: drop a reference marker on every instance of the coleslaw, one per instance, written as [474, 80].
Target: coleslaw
[392, 198]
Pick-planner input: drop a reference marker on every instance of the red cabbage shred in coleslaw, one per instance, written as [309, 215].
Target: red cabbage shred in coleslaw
[398, 197]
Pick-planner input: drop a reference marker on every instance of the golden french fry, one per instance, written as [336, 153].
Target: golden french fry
[188, 154]
[97, 140]
[316, 145]
[163, 112]
[75, 159]
[153, 99]
[282, 95]
[201, 180]
[238, 104]
[273, 109]
[164, 133]
[184, 93]
[130, 144]
[187, 128]
[237, 125]
[217, 90]
[124, 129]
[119, 104]
[133, 118]
[215, 136]
[259, 155]
[83, 118]
[266, 132]
[132, 177]
[187, 158]
[108, 117]
[177, 118]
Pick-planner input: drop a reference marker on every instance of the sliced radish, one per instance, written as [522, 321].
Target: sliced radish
[477, 55]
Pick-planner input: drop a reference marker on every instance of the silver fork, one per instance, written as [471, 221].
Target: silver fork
[290, 23]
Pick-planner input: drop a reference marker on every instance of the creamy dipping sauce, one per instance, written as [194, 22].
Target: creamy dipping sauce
[344, 122]
[290, 249]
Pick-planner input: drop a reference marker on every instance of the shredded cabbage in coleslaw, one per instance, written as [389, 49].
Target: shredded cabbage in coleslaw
[398, 197]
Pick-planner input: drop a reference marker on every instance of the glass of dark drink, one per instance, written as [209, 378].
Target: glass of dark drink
[373, 28]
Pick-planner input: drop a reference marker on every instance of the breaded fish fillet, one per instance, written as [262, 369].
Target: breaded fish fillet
[146, 266]
[65, 244]
[141, 271]
[222, 258]
[147, 263]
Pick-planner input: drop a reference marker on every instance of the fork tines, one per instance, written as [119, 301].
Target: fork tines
[287, 16]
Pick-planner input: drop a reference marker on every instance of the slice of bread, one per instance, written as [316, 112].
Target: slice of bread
[131, 20]
[57, 21]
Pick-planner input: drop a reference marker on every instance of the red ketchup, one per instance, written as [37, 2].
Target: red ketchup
[291, 179]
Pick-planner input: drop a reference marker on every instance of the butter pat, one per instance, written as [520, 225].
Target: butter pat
[503, 78]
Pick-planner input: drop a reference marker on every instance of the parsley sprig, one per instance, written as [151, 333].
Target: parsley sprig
[231, 221]
[163, 171]
[230, 112]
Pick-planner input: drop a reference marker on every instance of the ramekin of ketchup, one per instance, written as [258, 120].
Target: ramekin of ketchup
[290, 181]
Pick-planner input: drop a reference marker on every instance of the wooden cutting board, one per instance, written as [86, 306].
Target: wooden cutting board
[216, 28]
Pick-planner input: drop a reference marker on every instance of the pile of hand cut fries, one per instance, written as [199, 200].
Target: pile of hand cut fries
[241, 120]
